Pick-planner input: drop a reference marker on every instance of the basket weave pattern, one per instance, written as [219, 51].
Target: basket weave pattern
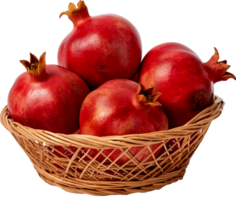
[81, 173]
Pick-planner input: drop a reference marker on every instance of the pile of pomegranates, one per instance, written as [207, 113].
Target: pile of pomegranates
[102, 54]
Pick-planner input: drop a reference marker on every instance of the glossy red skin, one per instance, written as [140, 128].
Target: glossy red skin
[102, 48]
[179, 74]
[50, 101]
[113, 109]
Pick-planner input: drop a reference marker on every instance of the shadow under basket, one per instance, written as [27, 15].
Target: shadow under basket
[66, 160]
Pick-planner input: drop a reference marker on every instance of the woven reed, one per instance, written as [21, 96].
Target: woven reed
[79, 175]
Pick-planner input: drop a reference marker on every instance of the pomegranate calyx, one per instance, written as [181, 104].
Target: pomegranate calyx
[76, 14]
[35, 67]
[148, 96]
[228, 75]
[217, 70]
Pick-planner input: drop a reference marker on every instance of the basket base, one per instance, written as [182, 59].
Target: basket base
[103, 188]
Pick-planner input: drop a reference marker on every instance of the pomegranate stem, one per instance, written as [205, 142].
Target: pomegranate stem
[75, 14]
[35, 65]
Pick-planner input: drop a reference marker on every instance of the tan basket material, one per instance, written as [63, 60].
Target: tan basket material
[81, 173]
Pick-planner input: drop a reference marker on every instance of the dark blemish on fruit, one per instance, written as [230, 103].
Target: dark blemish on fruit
[200, 100]
[101, 67]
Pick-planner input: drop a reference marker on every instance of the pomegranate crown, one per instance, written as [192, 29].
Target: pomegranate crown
[218, 69]
[148, 97]
[76, 14]
[35, 67]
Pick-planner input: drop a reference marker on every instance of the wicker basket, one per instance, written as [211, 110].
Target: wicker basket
[79, 175]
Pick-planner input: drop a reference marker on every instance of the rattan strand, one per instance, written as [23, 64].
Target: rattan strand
[85, 174]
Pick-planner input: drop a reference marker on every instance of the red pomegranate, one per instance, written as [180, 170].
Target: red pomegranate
[47, 97]
[121, 107]
[100, 48]
[186, 83]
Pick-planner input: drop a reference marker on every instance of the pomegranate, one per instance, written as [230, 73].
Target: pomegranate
[186, 83]
[100, 48]
[121, 107]
[47, 97]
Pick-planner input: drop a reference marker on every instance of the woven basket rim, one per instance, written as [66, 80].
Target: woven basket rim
[121, 141]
